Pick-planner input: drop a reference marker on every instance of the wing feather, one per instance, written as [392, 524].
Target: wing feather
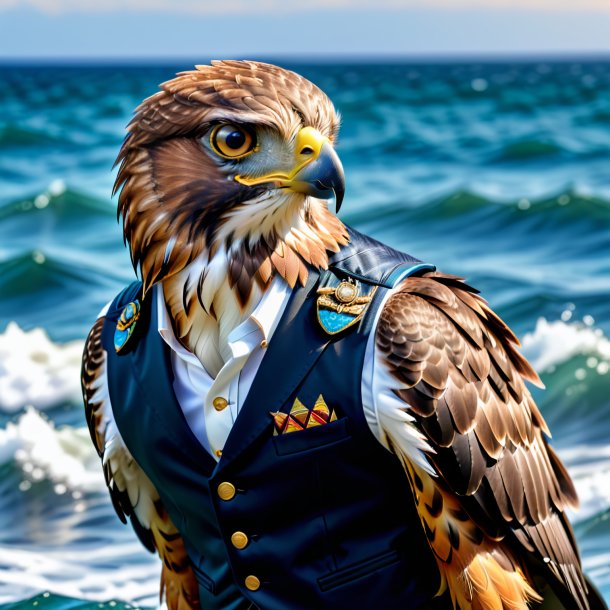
[455, 369]
[132, 493]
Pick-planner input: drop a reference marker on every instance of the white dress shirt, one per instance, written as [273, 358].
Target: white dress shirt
[202, 397]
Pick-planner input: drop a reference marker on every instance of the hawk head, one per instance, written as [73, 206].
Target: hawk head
[236, 159]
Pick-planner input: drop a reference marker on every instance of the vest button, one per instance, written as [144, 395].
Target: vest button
[239, 540]
[252, 583]
[226, 491]
[220, 403]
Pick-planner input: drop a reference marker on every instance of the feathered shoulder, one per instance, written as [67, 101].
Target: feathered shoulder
[132, 493]
[490, 491]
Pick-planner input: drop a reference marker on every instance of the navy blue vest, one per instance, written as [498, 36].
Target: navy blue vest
[328, 512]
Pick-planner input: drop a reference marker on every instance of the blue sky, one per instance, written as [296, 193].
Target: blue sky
[202, 29]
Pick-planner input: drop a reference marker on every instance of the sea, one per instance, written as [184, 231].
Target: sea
[496, 172]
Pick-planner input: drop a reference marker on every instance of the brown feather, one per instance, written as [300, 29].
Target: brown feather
[170, 189]
[91, 369]
[176, 200]
[478, 574]
[488, 442]
[177, 577]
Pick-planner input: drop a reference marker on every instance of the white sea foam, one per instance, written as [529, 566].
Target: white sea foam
[63, 455]
[589, 467]
[36, 371]
[549, 345]
[82, 573]
[552, 343]
[94, 564]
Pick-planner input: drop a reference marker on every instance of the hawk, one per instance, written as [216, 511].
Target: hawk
[456, 499]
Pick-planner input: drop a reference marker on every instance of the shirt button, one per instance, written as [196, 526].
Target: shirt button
[252, 583]
[226, 491]
[220, 403]
[239, 540]
[264, 343]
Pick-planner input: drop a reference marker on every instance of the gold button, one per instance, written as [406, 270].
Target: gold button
[252, 583]
[218, 452]
[220, 403]
[226, 491]
[239, 540]
[264, 343]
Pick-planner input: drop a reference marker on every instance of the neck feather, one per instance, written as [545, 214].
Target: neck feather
[220, 288]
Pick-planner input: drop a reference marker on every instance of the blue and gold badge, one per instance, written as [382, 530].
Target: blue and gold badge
[342, 305]
[126, 324]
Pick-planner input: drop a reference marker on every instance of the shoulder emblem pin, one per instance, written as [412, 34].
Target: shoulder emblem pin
[126, 324]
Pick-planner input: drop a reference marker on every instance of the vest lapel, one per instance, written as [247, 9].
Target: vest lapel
[296, 345]
[151, 366]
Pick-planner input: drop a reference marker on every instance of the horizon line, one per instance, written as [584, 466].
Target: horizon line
[315, 58]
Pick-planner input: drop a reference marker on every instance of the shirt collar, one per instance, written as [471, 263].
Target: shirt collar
[263, 320]
[164, 326]
[271, 307]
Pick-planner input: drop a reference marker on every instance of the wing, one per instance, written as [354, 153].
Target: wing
[490, 491]
[132, 493]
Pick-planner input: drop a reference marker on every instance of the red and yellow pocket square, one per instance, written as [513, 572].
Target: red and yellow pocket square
[301, 418]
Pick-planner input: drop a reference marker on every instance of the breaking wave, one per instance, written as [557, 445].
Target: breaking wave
[553, 343]
[63, 455]
[79, 549]
[36, 371]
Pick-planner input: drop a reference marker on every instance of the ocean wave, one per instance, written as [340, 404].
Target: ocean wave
[573, 359]
[565, 204]
[528, 149]
[12, 136]
[97, 574]
[51, 601]
[589, 467]
[553, 343]
[594, 117]
[34, 271]
[60, 201]
[38, 272]
[62, 455]
[36, 371]
[67, 539]
[465, 206]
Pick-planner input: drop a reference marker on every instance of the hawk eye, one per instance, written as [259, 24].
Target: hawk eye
[231, 141]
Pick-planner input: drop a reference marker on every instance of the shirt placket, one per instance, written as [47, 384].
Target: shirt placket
[222, 402]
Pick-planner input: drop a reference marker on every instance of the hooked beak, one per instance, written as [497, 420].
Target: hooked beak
[317, 172]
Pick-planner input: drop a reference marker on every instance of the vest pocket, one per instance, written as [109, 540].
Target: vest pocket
[311, 438]
[203, 579]
[358, 570]
[196, 560]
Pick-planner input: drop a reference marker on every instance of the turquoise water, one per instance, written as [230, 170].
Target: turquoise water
[496, 172]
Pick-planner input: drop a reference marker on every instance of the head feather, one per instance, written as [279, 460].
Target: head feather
[175, 201]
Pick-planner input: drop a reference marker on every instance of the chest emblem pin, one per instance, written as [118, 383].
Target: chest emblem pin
[341, 306]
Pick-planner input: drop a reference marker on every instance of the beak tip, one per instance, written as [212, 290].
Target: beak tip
[339, 193]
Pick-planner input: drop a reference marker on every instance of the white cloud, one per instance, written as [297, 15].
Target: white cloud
[289, 6]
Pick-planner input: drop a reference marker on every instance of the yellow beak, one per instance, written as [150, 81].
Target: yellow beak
[317, 170]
